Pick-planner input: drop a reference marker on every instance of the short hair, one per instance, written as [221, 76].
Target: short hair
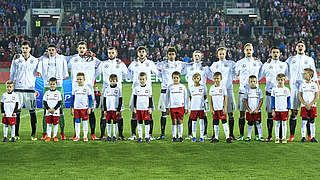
[112, 48]
[274, 47]
[221, 48]
[309, 71]
[113, 76]
[51, 45]
[82, 43]
[248, 44]
[53, 79]
[197, 51]
[171, 49]
[253, 77]
[9, 82]
[196, 75]
[80, 74]
[281, 75]
[142, 74]
[141, 48]
[216, 74]
[26, 43]
[175, 73]
[300, 41]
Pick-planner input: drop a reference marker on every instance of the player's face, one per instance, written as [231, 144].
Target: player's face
[281, 81]
[113, 81]
[275, 54]
[248, 51]
[176, 79]
[112, 54]
[142, 80]
[82, 49]
[306, 76]
[253, 82]
[52, 51]
[171, 56]
[196, 79]
[217, 79]
[197, 57]
[142, 54]
[80, 80]
[9, 88]
[25, 49]
[300, 48]
[53, 85]
[222, 54]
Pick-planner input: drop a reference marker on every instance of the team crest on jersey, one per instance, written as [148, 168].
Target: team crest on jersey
[220, 90]
[270, 67]
[201, 69]
[56, 95]
[147, 64]
[147, 91]
[117, 66]
[305, 62]
[84, 90]
[312, 87]
[180, 88]
[294, 61]
[285, 91]
[254, 64]
[281, 67]
[20, 61]
[106, 66]
[191, 69]
[200, 90]
[116, 91]
[175, 65]
[217, 66]
[137, 65]
[243, 65]
[225, 65]
[167, 66]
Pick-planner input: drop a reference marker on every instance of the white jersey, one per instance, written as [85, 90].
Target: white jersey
[193, 68]
[9, 103]
[87, 66]
[197, 95]
[280, 96]
[112, 95]
[166, 68]
[247, 67]
[297, 64]
[136, 67]
[227, 69]
[253, 96]
[217, 95]
[23, 72]
[143, 95]
[270, 72]
[52, 98]
[115, 66]
[308, 91]
[177, 96]
[81, 96]
[55, 66]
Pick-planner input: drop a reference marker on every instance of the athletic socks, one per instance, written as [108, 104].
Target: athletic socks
[269, 126]
[115, 129]
[163, 122]
[226, 130]
[255, 129]
[18, 123]
[150, 126]
[293, 123]
[61, 123]
[13, 127]
[180, 130]
[33, 122]
[231, 126]
[103, 124]
[174, 131]
[77, 127]
[284, 129]
[312, 130]
[303, 128]
[194, 129]
[85, 128]
[49, 128]
[308, 129]
[146, 130]
[92, 121]
[216, 131]
[133, 125]
[277, 129]
[241, 126]
[202, 127]
[55, 130]
[249, 131]
[189, 126]
[5, 130]
[140, 127]
[109, 129]
[205, 122]
[120, 126]
[259, 127]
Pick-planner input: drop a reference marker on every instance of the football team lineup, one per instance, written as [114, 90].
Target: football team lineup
[176, 99]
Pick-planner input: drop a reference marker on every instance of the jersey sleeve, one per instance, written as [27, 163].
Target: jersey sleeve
[154, 69]
[167, 100]
[125, 72]
[2, 98]
[205, 92]
[59, 96]
[300, 88]
[45, 96]
[260, 94]
[224, 89]
[237, 67]
[185, 98]
[65, 67]
[13, 69]
[313, 67]
[210, 90]
[246, 94]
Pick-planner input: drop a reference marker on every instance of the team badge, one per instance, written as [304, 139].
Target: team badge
[217, 66]
[306, 62]
[116, 91]
[225, 65]
[117, 66]
[254, 64]
[146, 91]
[106, 66]
[137, 65]
[244, 65]
[191, 69]
[220, 90]
[56, 95]
[20, 61]
[270, 67]
[167, 66]
[285, 91]
[180, 88]
[200, 90]
[312, 87]
[281, 67]
[84, 90]
[76, 60]
[175, 65]
[294, 61]
[201, 69]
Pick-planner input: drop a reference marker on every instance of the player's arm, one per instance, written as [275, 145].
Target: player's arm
[316, 97]
[45, 104]
[211, 105]
[65, 67]
[119, 105]
[301, 99]
[13, 71]
[185, 100]
[150, 105]
[225, 103]
[273, 102]
[90, 103]
[135, 102]
[167, 99]
[245, 101]
[2, 108]
[58, 105]
[260, 102]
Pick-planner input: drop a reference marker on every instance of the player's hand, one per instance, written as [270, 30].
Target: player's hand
[89, 110]
[273, 113]
[4, 114]
[51, 111]
[167, 111]
[186, 111]
[150, 110]
[256, 111]
[14, 114]
[308, 106]
[104, 113]
[118, 112]
[250, 111]
[16, 56]
[72, 111]
[212, 112]
[135, 110]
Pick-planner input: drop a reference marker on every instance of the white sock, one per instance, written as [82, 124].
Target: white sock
[194, 129]
[146, 131]
[259, 130]
[5, 130]
[303, 128]
[174, 131]
[140, 130]
[249, 131]
[115, 129]
[226, 130]
[312, 129]
[201, 122]
[216, 131]
[284, 129]
[13, 130]
[49, 128]
[55, 130]
[109, 129]
[77, 127]
[277, 129]
[180, 130]
[85, 128]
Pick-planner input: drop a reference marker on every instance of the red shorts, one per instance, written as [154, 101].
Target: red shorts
[9, 120]
[112, 115]
[253, 117]
[195, 114]
[52, 120]
[81, 113]
[312, 113]
[177, 113]
[283, 116]
[219, 115]
[142, 115]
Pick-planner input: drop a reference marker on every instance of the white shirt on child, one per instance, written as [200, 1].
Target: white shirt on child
[253, 96]
[143, 94]
[81, 99]
[177, 96]
[308, 91]
[52, 98]
[217, 96]
[281, 95]
[112, 96]
[9, 101]
[197, 97]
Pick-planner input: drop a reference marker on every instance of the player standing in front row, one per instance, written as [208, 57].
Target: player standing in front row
[218, 95]
[308, 96]
[81, 104]
[142, 101]
[112, 98]
[177, 104]
[52, 101]
[198, 96]
[253, 101]
[9, 107]
[280, 104]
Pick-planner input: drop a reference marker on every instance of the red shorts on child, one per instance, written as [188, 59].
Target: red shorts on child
[9, 120]
[81, 113]
[52, 120]
[142, 115]
[253, 117]
[312, 113]
[195, 114]
[177, 113]
[281, 116]
[219, 115]
[112, 115]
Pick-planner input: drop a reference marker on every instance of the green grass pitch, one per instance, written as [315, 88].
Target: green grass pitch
[159, 159]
